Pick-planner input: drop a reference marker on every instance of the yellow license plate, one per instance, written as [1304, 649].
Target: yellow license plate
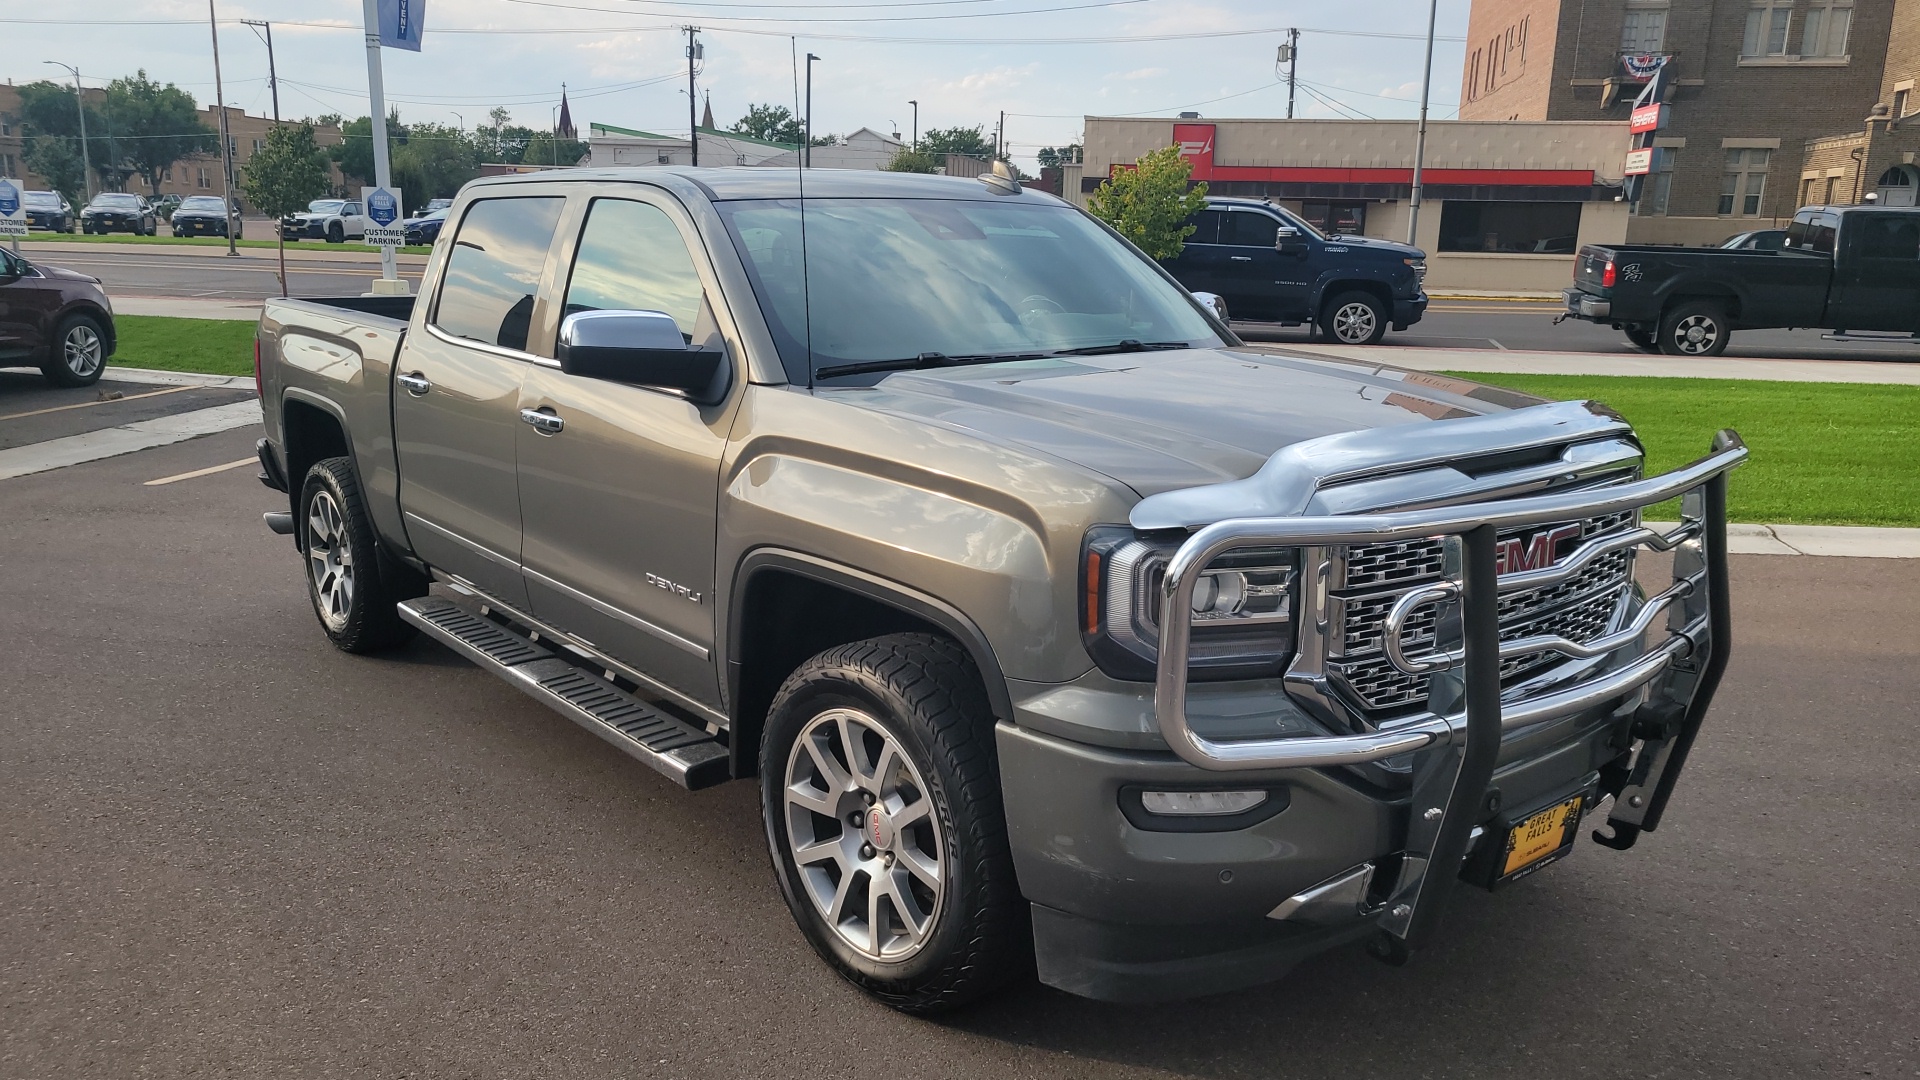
[1541, 835]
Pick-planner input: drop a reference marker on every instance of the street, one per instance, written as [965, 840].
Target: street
[233, 851]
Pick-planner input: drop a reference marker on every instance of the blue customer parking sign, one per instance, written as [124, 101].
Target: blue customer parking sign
[382, 207]
[9, 199]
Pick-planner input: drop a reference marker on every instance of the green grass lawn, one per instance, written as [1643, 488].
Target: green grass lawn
[203, 241]
[1822, 453]
[213, 346]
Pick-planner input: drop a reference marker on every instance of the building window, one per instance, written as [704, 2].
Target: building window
[1900, 103]
[1825, 32]
[1644, 30]
[1653, 200]
[1743, 182]
[1767, 24]
[1511, 227]
[1336, 218]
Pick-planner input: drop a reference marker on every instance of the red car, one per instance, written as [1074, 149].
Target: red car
[56, 320]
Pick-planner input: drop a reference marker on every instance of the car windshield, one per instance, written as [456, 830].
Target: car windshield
[202, 202]
[906, 279]
[42, 198]
[117, 201]
[325, 206]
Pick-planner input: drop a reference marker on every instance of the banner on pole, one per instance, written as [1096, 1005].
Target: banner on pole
[401, 23]
[13, 208]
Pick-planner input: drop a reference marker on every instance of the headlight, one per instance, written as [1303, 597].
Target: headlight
[1242, 613]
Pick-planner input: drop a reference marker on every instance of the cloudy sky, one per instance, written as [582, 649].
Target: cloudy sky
[1046, 63]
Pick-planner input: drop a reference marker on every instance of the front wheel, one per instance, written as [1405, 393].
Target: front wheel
[336, 234]
[353, 590]
[883, 815]
[1696, 328]
[1355, 318]
[78, 353]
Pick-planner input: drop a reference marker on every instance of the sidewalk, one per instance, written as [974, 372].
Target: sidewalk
[1511, 362]
[181, 308]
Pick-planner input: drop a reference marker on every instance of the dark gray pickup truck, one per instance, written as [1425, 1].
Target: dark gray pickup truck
[1854, 270]
[1061, 631]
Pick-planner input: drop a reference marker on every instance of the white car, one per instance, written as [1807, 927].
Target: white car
[334, 220]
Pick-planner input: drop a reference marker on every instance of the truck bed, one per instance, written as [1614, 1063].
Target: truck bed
[1763, 288]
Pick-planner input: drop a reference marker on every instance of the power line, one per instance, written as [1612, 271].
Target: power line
[1150, 112]
[1345, 110]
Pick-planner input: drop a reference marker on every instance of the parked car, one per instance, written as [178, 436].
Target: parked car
[1854, 270]
[167, 204]
[425, 229]
[204, 215]
[119, 211]
[333, 220]
[49, 210]
[54, 319]
[1032, 597]
[435, 204]
[1757, 240]
[1269, 265]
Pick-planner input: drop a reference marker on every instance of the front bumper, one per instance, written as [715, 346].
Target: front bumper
[1408, 312]
[1585, 305]
[302, 230]
[199, 227]
[111, 224]
[1126, 913]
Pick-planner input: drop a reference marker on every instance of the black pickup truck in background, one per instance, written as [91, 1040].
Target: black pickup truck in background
[1853, 270]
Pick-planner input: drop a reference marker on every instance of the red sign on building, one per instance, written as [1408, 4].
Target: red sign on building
[1647, 118]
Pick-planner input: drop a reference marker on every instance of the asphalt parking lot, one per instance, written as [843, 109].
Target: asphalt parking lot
[228, 850]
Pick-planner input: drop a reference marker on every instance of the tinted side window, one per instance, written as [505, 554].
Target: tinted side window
[486, 294]
[1207, 227]
[632, 257]
[1251, 229]
[1820, 235]
[1886, 236]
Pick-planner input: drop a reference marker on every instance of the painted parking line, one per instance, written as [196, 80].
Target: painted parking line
[91, 404]
[209, 471]
[125, 439]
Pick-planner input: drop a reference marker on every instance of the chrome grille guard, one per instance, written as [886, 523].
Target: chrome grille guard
[1456, 750]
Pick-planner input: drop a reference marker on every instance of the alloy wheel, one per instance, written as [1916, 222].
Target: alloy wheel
[863, 835]
[1696, 334]
[329, 559]
[1353, 323]
[82, 351]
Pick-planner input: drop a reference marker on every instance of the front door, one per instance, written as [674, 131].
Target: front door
[1258, 281]
[456, 396]
[1876, 272]
[619, 503]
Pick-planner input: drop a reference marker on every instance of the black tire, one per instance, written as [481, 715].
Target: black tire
[364, 619]
[1695, 328]
[923, 693]
[1643, 339]
[1354, 318]
[77, 355]
[336, 233]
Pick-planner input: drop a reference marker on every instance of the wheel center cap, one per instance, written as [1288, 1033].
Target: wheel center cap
[879, 829]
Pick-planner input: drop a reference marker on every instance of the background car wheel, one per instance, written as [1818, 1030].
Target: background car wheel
[1643, 339]
[336, 234]
[883, 816]
[352, 588]
[1355, 318]
[1696, 328]
[79, 352]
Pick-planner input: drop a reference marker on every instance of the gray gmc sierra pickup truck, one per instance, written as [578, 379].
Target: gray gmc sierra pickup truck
[1064, 633]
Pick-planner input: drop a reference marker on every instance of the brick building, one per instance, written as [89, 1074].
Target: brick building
[1877, 154]
[1761, 89]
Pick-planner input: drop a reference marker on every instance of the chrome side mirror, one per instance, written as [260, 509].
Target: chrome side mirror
[1288, 241]
[644, 348]
[1214, 301]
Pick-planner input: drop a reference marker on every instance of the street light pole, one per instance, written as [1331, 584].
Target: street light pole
[226, 138]
[806, 152]
[86, 156]
[916, 125]
[1420, 140]
[273, 78]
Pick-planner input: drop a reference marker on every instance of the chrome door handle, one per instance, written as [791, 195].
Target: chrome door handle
[544, 422]
[415, 383]
[1239, 258]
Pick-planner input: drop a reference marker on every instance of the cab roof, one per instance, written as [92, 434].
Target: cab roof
[765, 182]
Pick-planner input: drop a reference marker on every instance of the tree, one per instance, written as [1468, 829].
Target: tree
[434, 161]
[914, 161]
[154, 126]
[770, 123]
[354, 155]
[1052, 157]
[1150, 203]
[289, 172]
[59, 161]
[544, 149]
[970, 142]
[50, 123]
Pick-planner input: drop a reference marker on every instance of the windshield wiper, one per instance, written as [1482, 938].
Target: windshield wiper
[917, 363]
[1124, 345]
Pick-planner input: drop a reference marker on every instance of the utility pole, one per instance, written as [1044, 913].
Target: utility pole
[273, 79]
[693, 118]
[916, 125]
[1420, 140]
[999, 133]
[80, 101]
[382, 165]
[1290, 56]
[806, 152]
[226, 138]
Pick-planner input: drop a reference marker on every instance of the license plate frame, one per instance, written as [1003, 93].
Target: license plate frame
[1534, 841]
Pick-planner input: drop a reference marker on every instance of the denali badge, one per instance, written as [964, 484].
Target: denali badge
[659, 582]
[1536, 552]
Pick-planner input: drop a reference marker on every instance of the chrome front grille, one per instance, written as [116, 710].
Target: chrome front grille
[1374, 578]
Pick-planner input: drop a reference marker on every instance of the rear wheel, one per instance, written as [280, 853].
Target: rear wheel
[1355, 318]
[1643, 339]
[883, 814]
[78, 353]
[1695, 328]
[354, 591]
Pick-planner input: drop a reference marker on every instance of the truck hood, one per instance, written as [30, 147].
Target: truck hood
[1167, 420]
[1384, 247]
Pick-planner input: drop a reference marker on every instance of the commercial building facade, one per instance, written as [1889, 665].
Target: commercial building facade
[1505, 205]
[609, 145]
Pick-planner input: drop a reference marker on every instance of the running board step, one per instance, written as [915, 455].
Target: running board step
[687, 755]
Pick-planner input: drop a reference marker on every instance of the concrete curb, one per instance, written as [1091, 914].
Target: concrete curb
[1629, 365]
[154, 377]
[1505, 298]
[1833, 541]
[358, 255]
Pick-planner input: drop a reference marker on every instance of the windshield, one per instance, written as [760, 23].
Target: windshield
[42, 198]
[895, 279]
[115, 200]
[325, 206]
[201, 202]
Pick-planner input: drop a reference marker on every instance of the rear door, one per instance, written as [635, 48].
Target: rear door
[1198, 265]
[456, 396]
[28, 302]
[620, 503]
[1876, 272]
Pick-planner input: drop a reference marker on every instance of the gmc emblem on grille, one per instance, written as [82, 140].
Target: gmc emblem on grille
[1536, 552]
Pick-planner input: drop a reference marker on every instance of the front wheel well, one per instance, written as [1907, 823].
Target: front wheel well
[1377, 289]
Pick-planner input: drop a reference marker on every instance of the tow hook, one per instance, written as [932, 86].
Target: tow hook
[1562, 317]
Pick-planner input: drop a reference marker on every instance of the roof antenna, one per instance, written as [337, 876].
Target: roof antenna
[800, 173]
